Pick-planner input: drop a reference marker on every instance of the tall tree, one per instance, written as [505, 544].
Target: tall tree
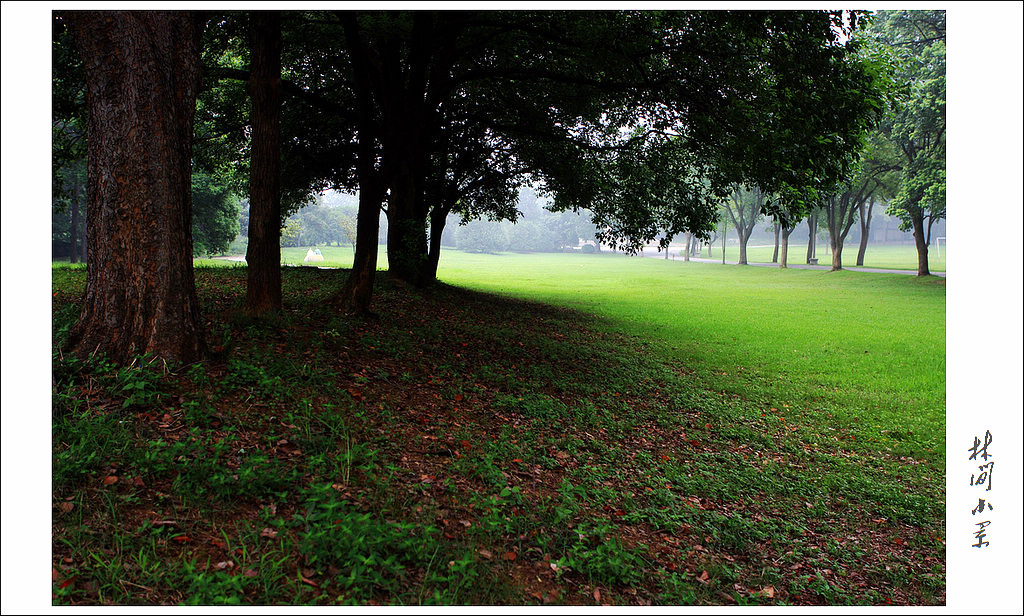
[142, 73]
[882, 163]
[744, 207]
[784, 225]
[812, 235]
[840, 211]
[263, 255]
[918, 126]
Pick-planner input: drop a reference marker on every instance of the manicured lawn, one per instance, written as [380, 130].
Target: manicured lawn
[538, 429]
[877, 256]
[873, 343]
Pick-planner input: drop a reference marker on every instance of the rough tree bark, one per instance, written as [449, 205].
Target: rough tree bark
[263, 255]
[142, 73]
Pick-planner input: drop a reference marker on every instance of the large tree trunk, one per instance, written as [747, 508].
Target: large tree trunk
[743, 237]
[407, 226]
[263, 254]
[837, 254]
[142, 73]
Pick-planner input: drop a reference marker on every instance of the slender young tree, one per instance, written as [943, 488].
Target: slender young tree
[142, 74]
[812, 235]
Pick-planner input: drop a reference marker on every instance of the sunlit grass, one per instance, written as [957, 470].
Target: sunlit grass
[869, 350]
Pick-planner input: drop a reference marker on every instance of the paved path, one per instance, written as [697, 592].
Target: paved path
[661, 255]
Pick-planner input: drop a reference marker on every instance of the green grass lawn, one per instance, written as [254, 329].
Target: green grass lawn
[564, 428]
[867, 347]
[877, 256]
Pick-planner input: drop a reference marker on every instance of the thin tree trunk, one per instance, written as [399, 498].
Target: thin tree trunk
[812, 230]
[865, 230]
[917, 219]
[686, 252]
[784, 252]
[142, 74]
[263, 254]
[357, 291]
[438, 219]
[775, 255]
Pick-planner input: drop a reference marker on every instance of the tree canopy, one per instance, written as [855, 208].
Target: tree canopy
[646, 118]
[916, 127]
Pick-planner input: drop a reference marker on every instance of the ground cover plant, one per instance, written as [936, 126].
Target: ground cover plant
[567, 429]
